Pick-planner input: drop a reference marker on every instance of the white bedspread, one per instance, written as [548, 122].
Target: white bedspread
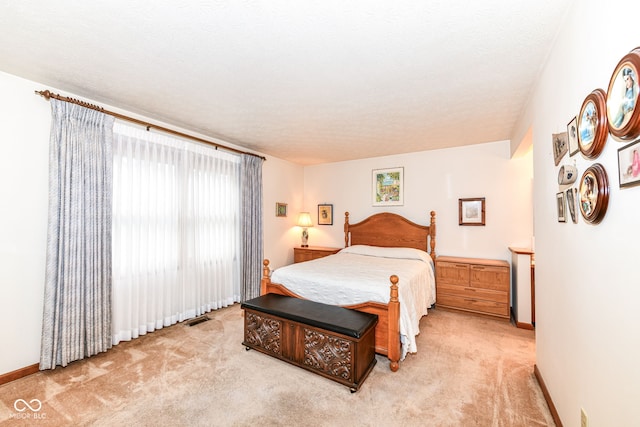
[361, 273]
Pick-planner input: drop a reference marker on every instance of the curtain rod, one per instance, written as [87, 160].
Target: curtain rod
[46, 94]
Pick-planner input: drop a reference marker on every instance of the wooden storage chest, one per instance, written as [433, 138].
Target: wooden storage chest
[331, 341]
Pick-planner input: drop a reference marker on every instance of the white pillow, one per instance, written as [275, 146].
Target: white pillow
[402, 253]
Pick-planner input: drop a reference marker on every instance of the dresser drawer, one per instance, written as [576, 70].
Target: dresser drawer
[488, 277]
[312, 252]
[471, 292]
[451, 272]
[474, 304]
[301, 255]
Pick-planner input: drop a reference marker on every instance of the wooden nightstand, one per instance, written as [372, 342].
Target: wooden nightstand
[472, 284]
[312, 252]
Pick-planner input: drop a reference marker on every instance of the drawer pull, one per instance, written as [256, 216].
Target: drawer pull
[469, 289]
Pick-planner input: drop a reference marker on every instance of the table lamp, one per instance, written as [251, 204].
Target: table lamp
[304, 221]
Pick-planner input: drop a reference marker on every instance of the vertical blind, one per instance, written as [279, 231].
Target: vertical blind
[176, 230]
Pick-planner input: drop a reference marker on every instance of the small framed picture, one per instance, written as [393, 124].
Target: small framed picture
[281, 209]
[572, 196]
[471, 211]
[622, 98]
[560, 146]
[325, 214]
[572, 135]
[594, 193]
[592, 124]
[629, 164]
[560, 205]
[388, 187]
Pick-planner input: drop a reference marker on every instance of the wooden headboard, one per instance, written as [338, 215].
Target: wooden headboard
[391, 230]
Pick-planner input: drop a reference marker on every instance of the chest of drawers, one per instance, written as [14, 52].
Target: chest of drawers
[474, 284]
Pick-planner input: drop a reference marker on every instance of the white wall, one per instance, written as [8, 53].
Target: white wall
[587, 285]
[434, 180]
[24, 148]
[24, 171]
[283, 182]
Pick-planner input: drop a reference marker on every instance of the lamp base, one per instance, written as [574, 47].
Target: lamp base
[304, 246]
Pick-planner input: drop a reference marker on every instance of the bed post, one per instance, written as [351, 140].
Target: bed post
[346, 229]
[394, 325]
[432, 234]
[266, 273]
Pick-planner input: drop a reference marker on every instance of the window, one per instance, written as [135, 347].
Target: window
[176, 230]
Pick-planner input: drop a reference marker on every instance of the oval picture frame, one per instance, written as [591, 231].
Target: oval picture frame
[623, 118]
[594, 193]
[592, 124]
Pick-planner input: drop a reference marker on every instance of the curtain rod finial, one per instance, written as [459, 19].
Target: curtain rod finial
[44, 93]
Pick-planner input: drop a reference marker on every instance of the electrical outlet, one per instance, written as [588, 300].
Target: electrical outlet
[584, 421]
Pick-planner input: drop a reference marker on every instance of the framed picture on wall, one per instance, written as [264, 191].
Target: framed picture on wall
[281, 209]
[560, 205]
[560, 146]
[388, 187]
[629, 164]
[572, 196]
[592, 124]
[325, 214]
[572, 135]
[471, 211]
[622, 98]
[594, 193]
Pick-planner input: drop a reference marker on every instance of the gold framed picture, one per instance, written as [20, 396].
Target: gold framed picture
[281, 209]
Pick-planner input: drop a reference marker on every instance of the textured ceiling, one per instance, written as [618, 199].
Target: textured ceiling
[307, 81]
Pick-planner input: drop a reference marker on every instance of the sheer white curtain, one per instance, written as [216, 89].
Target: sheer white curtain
[176, 230]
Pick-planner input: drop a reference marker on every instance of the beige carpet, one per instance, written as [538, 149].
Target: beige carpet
[470, 371]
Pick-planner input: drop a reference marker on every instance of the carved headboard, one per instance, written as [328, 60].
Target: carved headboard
[391, 230]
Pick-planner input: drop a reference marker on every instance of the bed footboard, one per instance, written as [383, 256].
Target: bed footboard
[387, 331]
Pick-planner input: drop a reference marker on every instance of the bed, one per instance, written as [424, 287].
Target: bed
[323, 279]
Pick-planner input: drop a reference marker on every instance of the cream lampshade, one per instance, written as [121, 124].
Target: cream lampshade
[304, 221]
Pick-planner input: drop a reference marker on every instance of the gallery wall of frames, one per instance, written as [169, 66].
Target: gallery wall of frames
[602, 114]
